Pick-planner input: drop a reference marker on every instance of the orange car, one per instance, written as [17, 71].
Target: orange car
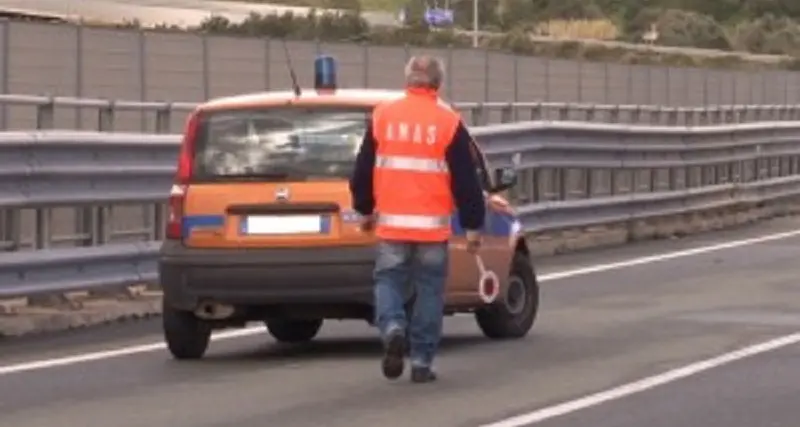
[261, 228]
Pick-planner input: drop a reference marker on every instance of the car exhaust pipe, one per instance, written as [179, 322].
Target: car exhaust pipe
[214, 311]
[488, 282]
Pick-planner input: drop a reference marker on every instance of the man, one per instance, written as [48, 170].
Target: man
[414, 168]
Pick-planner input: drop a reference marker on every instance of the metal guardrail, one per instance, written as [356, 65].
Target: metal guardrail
[570, 175]
[168, 116]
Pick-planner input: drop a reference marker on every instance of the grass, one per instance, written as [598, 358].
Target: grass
[598, 29]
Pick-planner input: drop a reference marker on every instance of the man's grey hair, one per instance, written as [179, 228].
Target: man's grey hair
[424, 71]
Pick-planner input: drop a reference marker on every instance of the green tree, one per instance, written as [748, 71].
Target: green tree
[513, 13]
[463, 12]
[768, 34]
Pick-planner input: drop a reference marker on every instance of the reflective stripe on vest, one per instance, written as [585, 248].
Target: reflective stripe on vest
[420, 222]
[415, 164]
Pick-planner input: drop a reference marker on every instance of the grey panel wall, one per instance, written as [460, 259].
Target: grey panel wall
[66, 60]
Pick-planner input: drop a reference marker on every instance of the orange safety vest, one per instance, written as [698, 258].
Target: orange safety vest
[413, 200]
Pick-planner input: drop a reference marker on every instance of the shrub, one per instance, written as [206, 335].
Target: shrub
[768, 34]
[679, 28]
[599, 29]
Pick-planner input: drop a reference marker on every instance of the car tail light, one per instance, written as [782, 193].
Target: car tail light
[177, 193]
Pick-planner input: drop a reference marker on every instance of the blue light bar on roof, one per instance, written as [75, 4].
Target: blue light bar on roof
[324, 72]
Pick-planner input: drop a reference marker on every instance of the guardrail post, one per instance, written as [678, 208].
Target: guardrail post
[105, 118]
[42, 234]
[477, 112]
[652, 174]
[536, 194]
[613, 114]
[613, 176]
[563, 113]
[164, 119]
[672, 177]
[507, 113]
[159, 221]
[536, 112]
[672, 117]
[636, 114]
[87, 218]
[733, 114]
[744, 114]
[655, 116]
[588, 181]
[689, 116]
[45, 115]
[561, 180]
[590, 113]
[11, 230]
[101, 227]
[702, 116]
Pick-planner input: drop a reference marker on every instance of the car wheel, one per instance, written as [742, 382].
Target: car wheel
[294, 331]
[514, 315]
[187, 336]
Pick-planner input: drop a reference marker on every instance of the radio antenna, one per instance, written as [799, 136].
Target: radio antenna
[295, 85]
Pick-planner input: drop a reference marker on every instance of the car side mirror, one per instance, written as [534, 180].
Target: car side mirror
[504, 178]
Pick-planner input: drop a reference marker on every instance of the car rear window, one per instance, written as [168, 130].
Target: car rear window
[280, 143]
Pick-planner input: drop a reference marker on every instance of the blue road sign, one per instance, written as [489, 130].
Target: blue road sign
[438, 17]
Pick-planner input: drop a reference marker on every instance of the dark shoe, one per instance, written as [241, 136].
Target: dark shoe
[393, 353]
[422, 374]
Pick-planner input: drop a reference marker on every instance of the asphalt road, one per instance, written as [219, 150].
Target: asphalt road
[763, 391]
[597, 330]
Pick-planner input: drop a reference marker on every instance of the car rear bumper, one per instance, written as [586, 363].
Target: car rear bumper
[266, 276]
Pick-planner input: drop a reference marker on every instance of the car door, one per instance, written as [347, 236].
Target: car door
[497, 250]
[462, 285]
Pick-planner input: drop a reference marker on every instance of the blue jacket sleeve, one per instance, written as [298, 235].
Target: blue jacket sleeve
[466, 186]
[361, 184]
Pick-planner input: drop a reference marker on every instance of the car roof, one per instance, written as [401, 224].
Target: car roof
[346, 97]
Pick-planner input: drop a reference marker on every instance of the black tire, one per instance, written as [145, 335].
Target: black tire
[497, 321]
[187, 336]
[293, 331]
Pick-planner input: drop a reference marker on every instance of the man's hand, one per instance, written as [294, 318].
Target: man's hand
[473, 241]
[367, 223]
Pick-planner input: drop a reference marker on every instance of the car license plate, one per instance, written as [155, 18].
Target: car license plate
[283, 224]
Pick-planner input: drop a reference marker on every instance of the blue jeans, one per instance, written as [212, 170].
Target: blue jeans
[399, 268]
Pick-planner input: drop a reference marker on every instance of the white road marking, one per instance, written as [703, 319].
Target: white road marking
[666, 256]
[547, 413]
[119, 352]
[226, 335]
